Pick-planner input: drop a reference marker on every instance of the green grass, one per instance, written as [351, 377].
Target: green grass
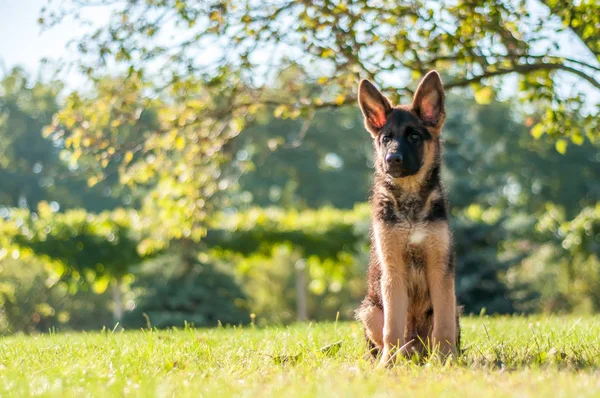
[540, 356]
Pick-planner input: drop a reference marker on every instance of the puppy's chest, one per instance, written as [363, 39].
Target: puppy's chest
[413, 241]
[402, 212]
[406, 242]
[408, 231]
[406, 246]
[409, 244]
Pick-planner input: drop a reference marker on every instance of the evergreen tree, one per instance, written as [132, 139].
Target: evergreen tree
[200, 296]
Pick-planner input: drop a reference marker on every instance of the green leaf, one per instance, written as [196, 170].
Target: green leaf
[128, 157]
[577, 138]
[484, 95]
[93, 180]
[328, 53]
[537, 131]
[561, 146]
[100, 285]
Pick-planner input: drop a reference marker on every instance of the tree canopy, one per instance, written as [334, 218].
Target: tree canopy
[239, 45]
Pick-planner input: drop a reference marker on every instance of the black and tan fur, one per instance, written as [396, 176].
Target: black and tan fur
[410, 305]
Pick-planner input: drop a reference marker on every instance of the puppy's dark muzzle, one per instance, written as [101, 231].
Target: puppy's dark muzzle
[394, 160]
[395, 167]
[398, 167]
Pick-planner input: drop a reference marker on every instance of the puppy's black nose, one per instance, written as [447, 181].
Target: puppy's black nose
[393, 159]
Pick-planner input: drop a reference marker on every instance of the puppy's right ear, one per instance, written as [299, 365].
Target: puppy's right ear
[374, 106]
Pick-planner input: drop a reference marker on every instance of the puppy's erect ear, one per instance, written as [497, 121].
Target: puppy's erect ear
[428, 102]
[374, 106]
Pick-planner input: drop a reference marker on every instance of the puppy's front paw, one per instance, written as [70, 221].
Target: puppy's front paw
[386, 360]
[445, 346]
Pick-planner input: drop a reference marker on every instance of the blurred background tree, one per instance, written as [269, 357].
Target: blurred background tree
[32, 169]
[228, 131]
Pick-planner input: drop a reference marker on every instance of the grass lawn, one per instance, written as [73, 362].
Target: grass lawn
[535, 356]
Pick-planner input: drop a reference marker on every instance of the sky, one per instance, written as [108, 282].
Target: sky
[22, 42]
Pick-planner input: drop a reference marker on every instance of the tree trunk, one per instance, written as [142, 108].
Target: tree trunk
[117, 296]
[301, 296]
[188, 255]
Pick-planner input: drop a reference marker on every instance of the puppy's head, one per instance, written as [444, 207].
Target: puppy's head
[406, 137]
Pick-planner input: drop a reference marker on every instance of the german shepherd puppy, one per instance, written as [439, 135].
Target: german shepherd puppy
[410, 305]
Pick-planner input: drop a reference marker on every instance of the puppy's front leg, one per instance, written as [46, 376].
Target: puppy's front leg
[395, 307]
[393, 289]
[440, 280]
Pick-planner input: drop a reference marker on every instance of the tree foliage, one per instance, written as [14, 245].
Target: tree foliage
[34, 169]
[573, 244]
[324, 233]
[33, 299]
[233, 41]
[28, 163]
[84, 249]
[171, 148]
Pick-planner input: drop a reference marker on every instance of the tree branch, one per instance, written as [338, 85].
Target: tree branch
[524, 68]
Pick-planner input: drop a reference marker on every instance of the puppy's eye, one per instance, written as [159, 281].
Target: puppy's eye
[386, 139]
[414, 137]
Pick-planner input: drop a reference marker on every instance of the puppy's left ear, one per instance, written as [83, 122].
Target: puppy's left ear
[428, 101]
[374, 105]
